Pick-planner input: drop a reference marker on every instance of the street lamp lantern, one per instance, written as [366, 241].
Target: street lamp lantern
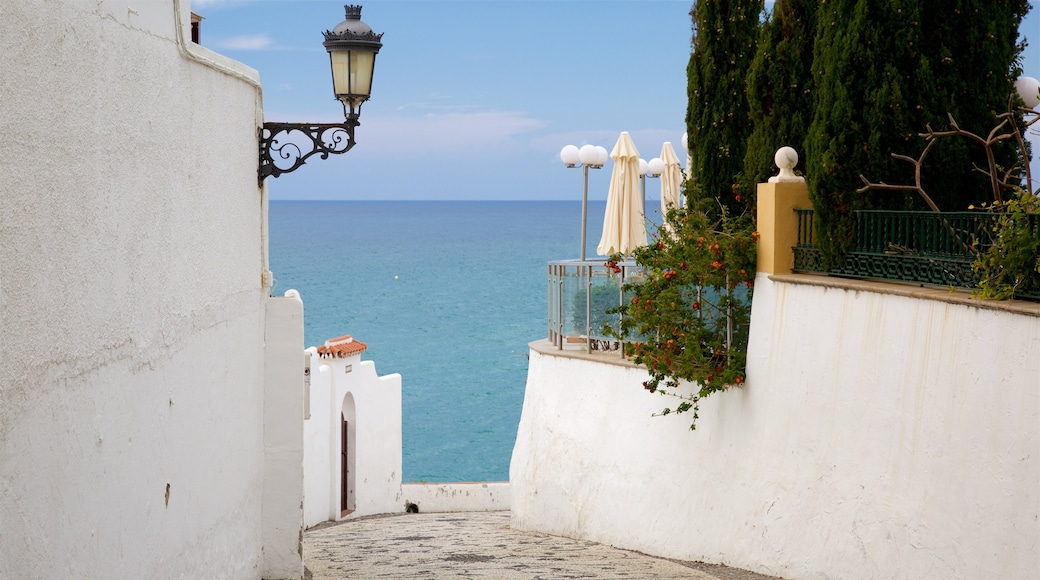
[352, 48]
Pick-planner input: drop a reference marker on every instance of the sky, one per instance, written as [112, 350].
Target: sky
[473, 99]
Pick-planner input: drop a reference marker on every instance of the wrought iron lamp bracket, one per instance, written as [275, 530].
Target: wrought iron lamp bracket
[294, 143]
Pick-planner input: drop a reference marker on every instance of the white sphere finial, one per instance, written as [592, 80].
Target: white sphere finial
[786, 158]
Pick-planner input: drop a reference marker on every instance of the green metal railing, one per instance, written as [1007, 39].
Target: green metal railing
[923, 247]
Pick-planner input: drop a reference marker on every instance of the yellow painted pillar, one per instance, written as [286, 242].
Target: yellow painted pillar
[777, 221]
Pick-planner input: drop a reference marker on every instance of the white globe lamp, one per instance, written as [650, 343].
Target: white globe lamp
[655, 167]
[1028, 89]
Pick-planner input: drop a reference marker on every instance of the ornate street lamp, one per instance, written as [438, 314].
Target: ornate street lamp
[352, 48]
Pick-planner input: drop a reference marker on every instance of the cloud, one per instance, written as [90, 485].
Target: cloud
[246, 42]
[211, 3]
[477, 132]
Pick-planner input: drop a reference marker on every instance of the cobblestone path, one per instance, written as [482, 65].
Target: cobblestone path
[479, 545]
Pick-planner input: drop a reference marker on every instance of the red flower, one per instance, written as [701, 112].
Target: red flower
[716, 264]
[696, 305]
[738, 380]
[738, 197]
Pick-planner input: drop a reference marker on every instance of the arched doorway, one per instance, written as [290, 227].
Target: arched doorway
[347, 456]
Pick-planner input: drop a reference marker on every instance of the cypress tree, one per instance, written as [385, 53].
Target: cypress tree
[779, 90]
[724, 38]
[971, 53]
[885, 69]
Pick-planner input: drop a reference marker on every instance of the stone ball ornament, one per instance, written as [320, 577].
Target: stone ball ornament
[786, 158]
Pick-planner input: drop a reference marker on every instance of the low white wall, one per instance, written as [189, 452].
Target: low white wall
[458, 497]
[877, 436]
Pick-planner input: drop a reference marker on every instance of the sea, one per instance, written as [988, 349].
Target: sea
[446, 293]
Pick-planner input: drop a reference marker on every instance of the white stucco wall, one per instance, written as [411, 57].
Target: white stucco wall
[131, 305]
[375, 432]
[877, 437]
[283, 438]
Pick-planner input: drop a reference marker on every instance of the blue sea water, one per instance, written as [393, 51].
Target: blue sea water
[446, 293]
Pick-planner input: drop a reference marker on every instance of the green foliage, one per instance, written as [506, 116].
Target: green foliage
[717, 115]
[882, 71]
[779, 90]
[1009, 261]
[693, 308]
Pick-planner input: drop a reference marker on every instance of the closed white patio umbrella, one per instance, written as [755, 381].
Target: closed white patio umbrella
[624, 226]
[671, 179]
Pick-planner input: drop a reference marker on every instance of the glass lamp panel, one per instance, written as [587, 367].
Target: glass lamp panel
[352, 72]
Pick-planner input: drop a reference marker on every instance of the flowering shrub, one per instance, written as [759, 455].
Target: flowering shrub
[688, 319]
[1009, 260]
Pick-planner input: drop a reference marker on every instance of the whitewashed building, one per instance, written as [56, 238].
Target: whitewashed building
[151, 389]
[352, 458]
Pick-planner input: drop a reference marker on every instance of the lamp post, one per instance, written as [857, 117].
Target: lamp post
[352, 48]
[654, 169]
[588, 157]
[642, 182]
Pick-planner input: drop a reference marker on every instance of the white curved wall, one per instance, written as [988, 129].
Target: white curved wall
[877, 436]
[131, 309]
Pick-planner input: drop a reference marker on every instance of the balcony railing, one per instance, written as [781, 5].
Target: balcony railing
[923, 247]
[580, 294]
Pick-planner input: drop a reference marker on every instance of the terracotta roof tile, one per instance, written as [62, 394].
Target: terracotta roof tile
[342, 346]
